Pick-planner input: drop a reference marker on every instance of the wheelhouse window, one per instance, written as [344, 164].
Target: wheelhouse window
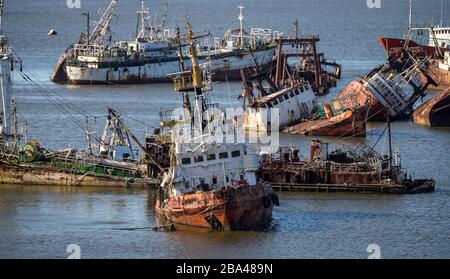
[211, 157]
[286, 97]
[198, 159]
[185, 161]
[236, 153]
[223, 155]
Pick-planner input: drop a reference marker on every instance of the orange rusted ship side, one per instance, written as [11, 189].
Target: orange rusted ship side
[376, 111]
[441, 76]
[349, 123]
[435, 112]
[232, 208]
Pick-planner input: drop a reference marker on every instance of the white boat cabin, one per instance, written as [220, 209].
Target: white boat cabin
[294, 104]
[211, 166]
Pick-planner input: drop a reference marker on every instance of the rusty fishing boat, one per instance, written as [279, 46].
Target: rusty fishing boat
[210, 184]
[335, 119]
[155, 53]
[392, 89]
[357, 170]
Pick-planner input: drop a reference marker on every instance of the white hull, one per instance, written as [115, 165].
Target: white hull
[287, 112]
[157, 72]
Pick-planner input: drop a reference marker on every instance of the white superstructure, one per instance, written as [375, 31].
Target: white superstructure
[155, 54]
[444, 64]
[442, 35]
[289, 106]
[6, 61]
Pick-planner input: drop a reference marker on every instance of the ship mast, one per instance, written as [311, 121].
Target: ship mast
[196, 76]
[191, 81]
[241, 25]
[408, 37]
[88, 23]
[186, 101]
[1, 16]
[5, 83]
[142, 16]
[164, 16]
[410, 17]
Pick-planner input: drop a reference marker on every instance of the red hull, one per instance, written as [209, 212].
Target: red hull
[241, 208]
[394, 46]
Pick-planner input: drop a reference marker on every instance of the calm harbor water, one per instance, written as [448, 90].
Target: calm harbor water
[38, 222]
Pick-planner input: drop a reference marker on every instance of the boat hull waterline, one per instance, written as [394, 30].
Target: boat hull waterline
[232, 208]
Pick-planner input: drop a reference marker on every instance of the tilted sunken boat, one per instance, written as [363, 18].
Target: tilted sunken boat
[342, 117]
[210, 184]
[434, 112]
[275, 106]
[391, 89]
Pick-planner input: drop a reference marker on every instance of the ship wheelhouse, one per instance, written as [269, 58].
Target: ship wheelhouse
[213, 167]
[442, 36]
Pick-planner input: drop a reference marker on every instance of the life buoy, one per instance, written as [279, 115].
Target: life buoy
[266, 201]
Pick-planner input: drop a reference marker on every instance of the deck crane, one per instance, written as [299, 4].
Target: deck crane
[98, 34]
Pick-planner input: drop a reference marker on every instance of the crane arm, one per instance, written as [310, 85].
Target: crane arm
[133, 136]
[102, 26]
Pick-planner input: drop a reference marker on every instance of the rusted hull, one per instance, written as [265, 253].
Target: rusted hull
[282, 174]
[59, 74]
[375, 110]
[349, 123]
[441, 76]
[416, 187]
[434, 112]
[241, 208]
[327, 177]
[41, 175]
